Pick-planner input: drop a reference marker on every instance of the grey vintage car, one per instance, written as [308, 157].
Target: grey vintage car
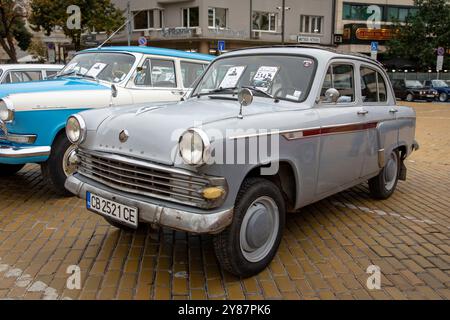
[266, 131]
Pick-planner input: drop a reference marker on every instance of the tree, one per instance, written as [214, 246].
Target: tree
[13, 30]
[418, 38]
[38, 50]
[98, 15]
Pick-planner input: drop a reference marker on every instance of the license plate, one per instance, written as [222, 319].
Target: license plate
[111, 209]
[430, 96]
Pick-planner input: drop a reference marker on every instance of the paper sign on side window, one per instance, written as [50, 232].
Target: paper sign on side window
[232, 77]
[264, 77]
[95, 70]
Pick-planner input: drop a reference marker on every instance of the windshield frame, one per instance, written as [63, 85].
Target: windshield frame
[309, 86]
[137, 59]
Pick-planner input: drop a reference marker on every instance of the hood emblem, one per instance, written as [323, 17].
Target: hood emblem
[123, 136]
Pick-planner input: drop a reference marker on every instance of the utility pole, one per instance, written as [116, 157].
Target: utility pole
[283, 13]
[129, 23]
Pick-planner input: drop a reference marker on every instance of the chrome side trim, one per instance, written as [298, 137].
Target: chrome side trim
[183, 220]
[19, 138]
[26, 152]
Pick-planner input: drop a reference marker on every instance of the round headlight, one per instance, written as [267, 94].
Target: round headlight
[75, 129]
[194, 146]
[6, 111]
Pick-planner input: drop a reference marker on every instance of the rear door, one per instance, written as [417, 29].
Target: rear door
[382, 132]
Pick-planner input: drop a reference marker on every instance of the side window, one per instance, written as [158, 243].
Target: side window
[340, 77]
[373, 87]
[7, 78]
[24, 76]
[156, 73]
[50, 73]
[190, 72]
[163, 73]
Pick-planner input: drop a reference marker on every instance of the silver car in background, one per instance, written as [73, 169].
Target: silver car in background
[264, 132]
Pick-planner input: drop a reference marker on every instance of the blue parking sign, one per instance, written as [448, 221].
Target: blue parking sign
[374, 46]
[221, 45]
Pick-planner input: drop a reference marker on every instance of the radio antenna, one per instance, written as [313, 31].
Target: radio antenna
[115, 32]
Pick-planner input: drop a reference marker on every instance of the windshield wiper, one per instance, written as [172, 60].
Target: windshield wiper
[65, 74]
[259, 91]
[218, 90]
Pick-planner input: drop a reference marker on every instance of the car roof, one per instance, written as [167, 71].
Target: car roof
[31, 66]
[315, 51]
[155, 51]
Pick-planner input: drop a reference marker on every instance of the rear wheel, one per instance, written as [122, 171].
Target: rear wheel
[10, 169]
[443, 97]
[58, 167]
[249, 244]
[383, 185]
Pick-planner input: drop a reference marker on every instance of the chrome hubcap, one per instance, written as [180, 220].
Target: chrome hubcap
[443, 97]
[409, 97]
[391, 171]
[259, 229]
[70, 160]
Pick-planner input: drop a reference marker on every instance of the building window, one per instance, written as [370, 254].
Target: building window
[217, 18]
[190, 17]
[389, 13]
[311, 24]
[264, 21]
[145, 20]
[400, 13]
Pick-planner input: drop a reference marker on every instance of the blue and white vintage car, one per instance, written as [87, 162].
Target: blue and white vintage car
[33, 114]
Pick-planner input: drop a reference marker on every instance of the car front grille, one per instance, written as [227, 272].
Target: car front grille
[143, 178]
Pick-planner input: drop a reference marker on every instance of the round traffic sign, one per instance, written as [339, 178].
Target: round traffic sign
[440, 51]
[142, 41]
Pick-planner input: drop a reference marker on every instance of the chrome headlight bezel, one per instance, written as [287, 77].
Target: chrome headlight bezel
[195, 135]
[80, 126]
[7, 111]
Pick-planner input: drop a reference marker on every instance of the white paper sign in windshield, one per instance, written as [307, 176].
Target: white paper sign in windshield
[232, 77]
[264, 77]
[95, 70]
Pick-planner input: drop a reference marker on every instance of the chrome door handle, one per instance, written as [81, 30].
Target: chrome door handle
[363, 112]
[393, 110]
[179, 92]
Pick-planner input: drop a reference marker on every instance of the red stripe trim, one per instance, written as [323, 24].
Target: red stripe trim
[339, 129]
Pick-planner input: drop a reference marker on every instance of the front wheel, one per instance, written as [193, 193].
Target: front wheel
[383, 185]
[10, 169]
[443, 97]
[249, 244]
[58, 166]
[409, 97]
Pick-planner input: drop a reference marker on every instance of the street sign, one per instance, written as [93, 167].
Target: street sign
[142, 41]
[221, 45]
[441, 51]
[440, 63]
[374, 46]
[338, 38]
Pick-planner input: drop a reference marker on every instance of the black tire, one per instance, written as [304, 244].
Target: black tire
[443, 97]
[377, 185]
[10, 169]
[52, 169]
[409, 97]
[227, 244]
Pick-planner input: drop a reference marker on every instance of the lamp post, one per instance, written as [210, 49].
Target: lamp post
[283, 9]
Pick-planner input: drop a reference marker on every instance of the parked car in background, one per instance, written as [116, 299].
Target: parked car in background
[33, 115]
[265, 131]
[441, 87]
[13, 73]
[411, 90]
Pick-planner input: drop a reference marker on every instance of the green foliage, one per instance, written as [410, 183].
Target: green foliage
[418, 38]
[12, 27]
[98, 15]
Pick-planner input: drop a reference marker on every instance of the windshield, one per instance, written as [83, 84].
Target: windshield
[111, 67]
[413, 84]
[439, 84]
[281, 76]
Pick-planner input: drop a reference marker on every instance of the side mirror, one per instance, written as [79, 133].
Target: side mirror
[332, 95]
[114, 91]
[245, 98]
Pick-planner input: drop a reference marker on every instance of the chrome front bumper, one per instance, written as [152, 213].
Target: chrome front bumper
[24, 152]
[158, 214]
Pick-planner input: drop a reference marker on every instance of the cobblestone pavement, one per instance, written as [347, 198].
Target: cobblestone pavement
[326, 249]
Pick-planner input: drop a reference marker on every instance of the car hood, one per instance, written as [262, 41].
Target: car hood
[63, 93]
[154, 130]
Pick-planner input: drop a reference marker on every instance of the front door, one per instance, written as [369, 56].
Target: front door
[343, 132]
